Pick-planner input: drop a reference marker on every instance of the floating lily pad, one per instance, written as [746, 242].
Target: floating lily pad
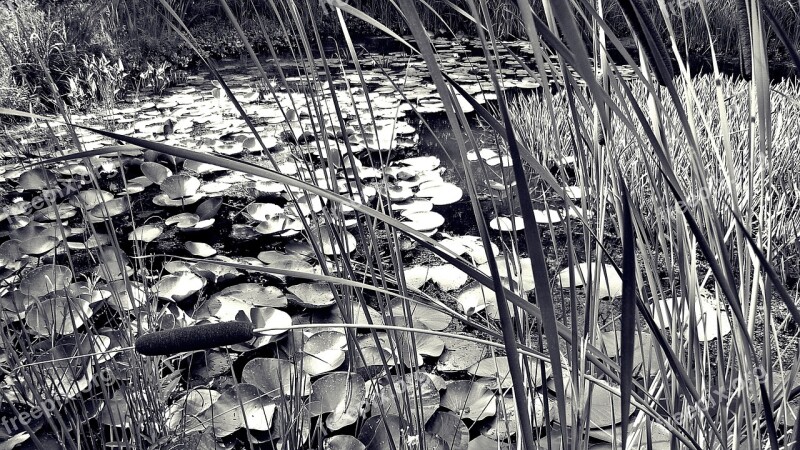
[312, 295]
[239, 406]
[323, 352]
[37, 179]
[90, 198]
[200, 249]
[507, 223]
[253, 294]
[155, 172]
[470, 399]
[44, 280]
[276, 377]
[423, 396]
[711, 316]
[341, 394]
[329, 239]
[180, 286]
[459, 355]
[145, 233]
[180, 186]
[609, 282]
[60, 315]
[343, 442]
[440, 193]
[424, 220]
[449, 427]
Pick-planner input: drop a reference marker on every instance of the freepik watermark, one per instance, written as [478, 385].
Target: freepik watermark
[13, 425]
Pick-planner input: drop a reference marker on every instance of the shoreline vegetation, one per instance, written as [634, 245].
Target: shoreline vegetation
[510, 224]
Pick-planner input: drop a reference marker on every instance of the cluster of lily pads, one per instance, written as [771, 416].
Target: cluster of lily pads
[312, 378]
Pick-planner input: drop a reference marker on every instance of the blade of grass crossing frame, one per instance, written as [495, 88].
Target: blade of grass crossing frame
[628, 308]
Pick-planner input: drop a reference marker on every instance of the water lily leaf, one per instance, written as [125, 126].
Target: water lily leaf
[61, 211]
[379, 430]
[333, 315]
[504, 424]
[312, 295]
[45, 279]
[485, 443]
[215, 273]
[459, 355]
[145, 233]
[450, 428]
[710, 315]
[547, 216]
[110, 260]
[418, 386]
[183, 220]
[127, 295]
[115, 410]
[425, 345]
[179, 286]
[10, 253]
[475, 298]
[420, 313]
[395, 192]
[416, 276]
[521, 270]
[343, 442]
[324, 352]
[164, 200]
[37, 179]
[424, 220]
[341, 394]
[253, 294]
[327, 237]
[279, 223]
[90, 198]
[272, 318]
[111, 208]
[507, 223]
[201, 167]
[198, 400]
[200, 249]
[448, 277]
[440, 193]
[60, 315]
[209, 208]
[276, 377]
[38, 246]
[609, 282]
[180, 186]
[239, 406]
[262, 211]
[470, 399]
[155, 172]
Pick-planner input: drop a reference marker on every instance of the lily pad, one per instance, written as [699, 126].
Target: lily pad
[276, 377]
[200, 249]
[341, 394]
[609, 282]
[145, 233]
[239, 406]
[180, 286]
[469, 399]
[312, 295]
[180, 186]
[56, 316]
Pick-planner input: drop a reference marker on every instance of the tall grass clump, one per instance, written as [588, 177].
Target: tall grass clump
[617, 290]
